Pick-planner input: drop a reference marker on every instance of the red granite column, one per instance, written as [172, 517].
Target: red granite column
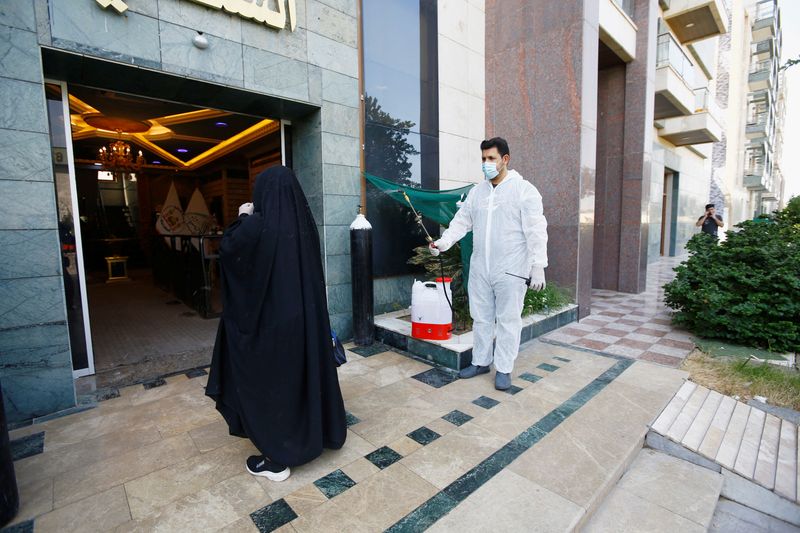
[541, 95]
[608, 199]
[636, 172]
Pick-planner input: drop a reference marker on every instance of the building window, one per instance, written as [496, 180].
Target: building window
[402, 119]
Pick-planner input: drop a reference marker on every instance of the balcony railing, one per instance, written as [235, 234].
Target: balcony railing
[766, 9]
[670, 53]
[763, 66]
[626, 5]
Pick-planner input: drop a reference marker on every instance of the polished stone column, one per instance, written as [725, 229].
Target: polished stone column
[608, 199]
[541, 95]
[638, 148]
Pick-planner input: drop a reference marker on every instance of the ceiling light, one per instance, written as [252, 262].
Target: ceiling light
[690, 25]
[182, 150]
[221, 124]
[156, 162]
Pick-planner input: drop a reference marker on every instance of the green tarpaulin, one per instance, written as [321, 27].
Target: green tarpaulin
[439, 206]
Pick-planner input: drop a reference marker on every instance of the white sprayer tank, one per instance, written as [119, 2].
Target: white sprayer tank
[431, 316]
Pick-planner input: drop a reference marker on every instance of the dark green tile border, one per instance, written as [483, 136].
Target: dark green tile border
[548, 367]
[423, 435]
[485, 402]
[373, 349]
[457, 418]
[273, 516]
[436, 377]
[351, 419]
[22, 527]
[383, 457]
[27, 446]
[527, 376]
[445, 501]
[334, 483]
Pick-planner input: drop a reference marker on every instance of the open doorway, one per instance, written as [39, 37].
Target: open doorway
[669, 213]
[144, 189]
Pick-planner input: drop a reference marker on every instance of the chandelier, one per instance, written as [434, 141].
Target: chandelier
[117, 157]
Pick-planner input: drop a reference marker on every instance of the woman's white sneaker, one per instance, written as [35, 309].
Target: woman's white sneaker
[258, 465]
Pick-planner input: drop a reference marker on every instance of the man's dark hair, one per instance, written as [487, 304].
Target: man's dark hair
[496, 142]
[709, 206]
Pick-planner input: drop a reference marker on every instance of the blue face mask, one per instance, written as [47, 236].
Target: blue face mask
[490, 171]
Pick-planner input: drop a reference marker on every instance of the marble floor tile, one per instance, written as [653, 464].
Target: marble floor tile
[353, 387]
[516, 504]
[679, 486]
[436, 377]
[449, 457]
[405, 445]
[515, 415]
[457, 417]
[580, 456]
[530, 377]
[383, 457]
[304, 500]
[334, 483]
[373, 404]
[212, 436]
[360, 469]
[210, 509]
[396, 371]
[485, 402]
[383, 359]
[246, 525]
[623, 512]
[82, 482]
[370, 506]
[102, 512]
[442, 426]
[395, 422]
[149, 492]
[35, 498]
[624, 351]
[83, 454]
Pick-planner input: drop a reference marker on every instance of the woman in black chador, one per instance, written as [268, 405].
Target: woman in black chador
[273, 374]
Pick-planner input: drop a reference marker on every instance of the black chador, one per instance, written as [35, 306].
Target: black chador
[273, 374]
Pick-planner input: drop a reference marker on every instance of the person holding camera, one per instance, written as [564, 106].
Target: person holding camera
[710, 222]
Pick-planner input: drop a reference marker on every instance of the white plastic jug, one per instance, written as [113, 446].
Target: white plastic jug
[431, 316]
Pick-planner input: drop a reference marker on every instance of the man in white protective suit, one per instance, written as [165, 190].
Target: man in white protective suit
[509, 256]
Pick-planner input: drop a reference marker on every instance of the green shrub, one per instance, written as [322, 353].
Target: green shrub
[745, 289]
[544, 301]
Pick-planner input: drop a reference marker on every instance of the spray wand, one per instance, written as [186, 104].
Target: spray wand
[418, 220]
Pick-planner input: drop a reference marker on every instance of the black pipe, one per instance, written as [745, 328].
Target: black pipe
[361, 270]
[9, 496]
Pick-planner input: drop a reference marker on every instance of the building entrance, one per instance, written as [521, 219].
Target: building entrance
[144, 188]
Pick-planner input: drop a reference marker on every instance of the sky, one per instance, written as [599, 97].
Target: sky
[790, 22]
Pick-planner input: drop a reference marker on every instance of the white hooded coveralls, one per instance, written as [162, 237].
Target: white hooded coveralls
[509, 235]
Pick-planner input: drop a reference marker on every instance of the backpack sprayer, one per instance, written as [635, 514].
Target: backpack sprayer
[418, 220]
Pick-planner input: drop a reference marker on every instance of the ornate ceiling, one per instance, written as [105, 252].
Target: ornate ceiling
[170, 135]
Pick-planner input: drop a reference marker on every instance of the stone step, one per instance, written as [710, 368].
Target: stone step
[659, 493]
[757, 446]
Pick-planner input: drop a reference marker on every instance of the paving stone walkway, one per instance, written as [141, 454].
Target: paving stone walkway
[748, 441]
[638, 326]
[424, 451]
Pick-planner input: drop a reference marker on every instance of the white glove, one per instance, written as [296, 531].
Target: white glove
[537, 279]
[246, 209]
[433, 249]
[442, 245]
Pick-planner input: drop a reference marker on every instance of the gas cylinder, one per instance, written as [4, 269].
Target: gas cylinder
[431, 316]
